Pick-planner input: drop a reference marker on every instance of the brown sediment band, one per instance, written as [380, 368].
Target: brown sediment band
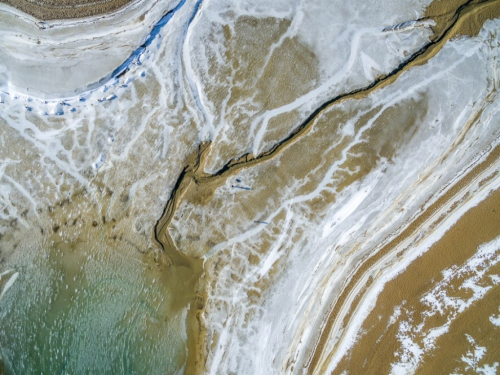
[414, 226]
[179, 262]
[194, 184]
[376, 349]
[45, 10]
[442, 12]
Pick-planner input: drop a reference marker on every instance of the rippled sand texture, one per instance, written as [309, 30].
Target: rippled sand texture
[252, 187]
[65, 9]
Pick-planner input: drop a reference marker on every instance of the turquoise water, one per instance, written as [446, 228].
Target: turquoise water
[74, 310]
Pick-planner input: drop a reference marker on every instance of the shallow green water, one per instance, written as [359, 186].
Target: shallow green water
[79, 310]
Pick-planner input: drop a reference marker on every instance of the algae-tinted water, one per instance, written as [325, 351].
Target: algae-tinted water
[83, 309]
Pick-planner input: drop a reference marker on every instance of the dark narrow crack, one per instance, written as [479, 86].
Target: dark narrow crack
[193, 171]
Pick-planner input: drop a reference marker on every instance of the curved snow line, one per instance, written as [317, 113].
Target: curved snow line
[111, 80]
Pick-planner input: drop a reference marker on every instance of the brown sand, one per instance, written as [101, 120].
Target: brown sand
[475, 322]
[409, 231]
[66, 9]
[443, 12]
[257, 71]
[374, 353]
